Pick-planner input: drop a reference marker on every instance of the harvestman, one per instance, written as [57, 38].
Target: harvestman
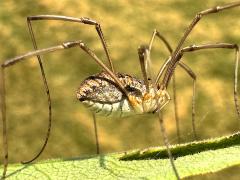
[117, 93]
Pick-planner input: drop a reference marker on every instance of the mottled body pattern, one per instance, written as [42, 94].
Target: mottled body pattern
[102, 95]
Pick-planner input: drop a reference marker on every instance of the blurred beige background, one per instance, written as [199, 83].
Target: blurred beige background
[125, 25]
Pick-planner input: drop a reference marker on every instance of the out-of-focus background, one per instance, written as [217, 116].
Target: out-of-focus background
[125, 25]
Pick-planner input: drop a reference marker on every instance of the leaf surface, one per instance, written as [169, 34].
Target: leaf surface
[191, 159]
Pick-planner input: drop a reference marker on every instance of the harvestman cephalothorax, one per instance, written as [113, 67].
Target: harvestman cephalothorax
[110, 92]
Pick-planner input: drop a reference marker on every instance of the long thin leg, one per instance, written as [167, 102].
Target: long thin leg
[197, 18]
[166, 143]
[194, 78]
[83, 20]
[175, 105]
[62, 18]
[48, 97]
[224, 46]
[162, 38]
[6, 64]
[98, 61]
[96, 133]
[20, 58]
[143, 53]
[144, 57]
[3, 103]
[191, 74]
[3, 113]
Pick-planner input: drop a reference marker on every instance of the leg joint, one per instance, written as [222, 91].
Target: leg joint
[71, 44]
[89, 21]
[236, 47]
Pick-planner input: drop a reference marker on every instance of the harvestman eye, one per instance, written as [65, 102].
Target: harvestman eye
[119, 94]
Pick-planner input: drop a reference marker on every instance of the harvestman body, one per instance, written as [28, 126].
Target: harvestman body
[112, 93]
[102, 95]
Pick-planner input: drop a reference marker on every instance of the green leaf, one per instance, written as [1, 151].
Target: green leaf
[191, 159]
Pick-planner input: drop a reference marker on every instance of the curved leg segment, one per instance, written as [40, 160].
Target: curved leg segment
[20, 58]
[197, 18]
[62, 18]
[222, 46]
[83, 20]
